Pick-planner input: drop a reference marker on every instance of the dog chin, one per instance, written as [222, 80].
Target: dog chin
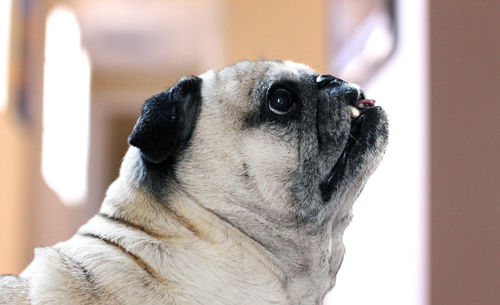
[367, 141]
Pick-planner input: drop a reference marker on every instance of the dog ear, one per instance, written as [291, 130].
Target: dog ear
[167, 121]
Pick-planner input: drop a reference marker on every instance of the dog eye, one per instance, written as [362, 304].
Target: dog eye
[280, 101]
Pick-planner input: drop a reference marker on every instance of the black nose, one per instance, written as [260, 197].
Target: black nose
[328, 80]
[351, 92]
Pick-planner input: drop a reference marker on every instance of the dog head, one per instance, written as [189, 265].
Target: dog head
[271, 147]
[270, 137]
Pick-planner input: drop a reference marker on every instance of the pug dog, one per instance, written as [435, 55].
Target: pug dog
[236, 189]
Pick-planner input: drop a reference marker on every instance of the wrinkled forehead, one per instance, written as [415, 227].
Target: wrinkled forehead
[265, 70]
[294, 67]
[287, 69]
[244, 83]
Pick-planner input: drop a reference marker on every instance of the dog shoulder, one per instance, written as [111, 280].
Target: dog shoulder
[14, 290]
[56, 276]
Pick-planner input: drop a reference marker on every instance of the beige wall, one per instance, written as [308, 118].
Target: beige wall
[16, 147]
[278, 29]
[14, 208]
[465, 152]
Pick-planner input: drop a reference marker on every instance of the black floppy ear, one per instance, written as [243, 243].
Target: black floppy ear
[167, 121]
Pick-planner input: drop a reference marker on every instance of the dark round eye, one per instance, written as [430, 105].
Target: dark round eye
[280, 101]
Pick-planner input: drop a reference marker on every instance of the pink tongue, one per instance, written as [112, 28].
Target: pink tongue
[366, 103]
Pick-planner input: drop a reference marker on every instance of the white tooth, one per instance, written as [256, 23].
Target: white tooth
[354, 112]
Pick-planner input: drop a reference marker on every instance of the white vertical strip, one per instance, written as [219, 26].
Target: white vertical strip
[386, 258]
[66, 108]
[5, 20]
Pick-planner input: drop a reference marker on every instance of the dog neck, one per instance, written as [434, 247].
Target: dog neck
[238, 256]
[306, 264]
[299, 269]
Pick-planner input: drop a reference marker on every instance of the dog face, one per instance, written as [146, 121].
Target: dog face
[272, 148]
[271, 139]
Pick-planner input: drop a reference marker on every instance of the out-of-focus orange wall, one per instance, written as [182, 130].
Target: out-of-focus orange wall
[15, 163]
[14, 208]
[278, 29]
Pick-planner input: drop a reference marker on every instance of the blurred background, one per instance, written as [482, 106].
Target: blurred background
[426, 230]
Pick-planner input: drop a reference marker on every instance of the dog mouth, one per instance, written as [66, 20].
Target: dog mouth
[364, 116]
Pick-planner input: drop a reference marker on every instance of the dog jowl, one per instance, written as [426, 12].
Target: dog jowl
[236, 189]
